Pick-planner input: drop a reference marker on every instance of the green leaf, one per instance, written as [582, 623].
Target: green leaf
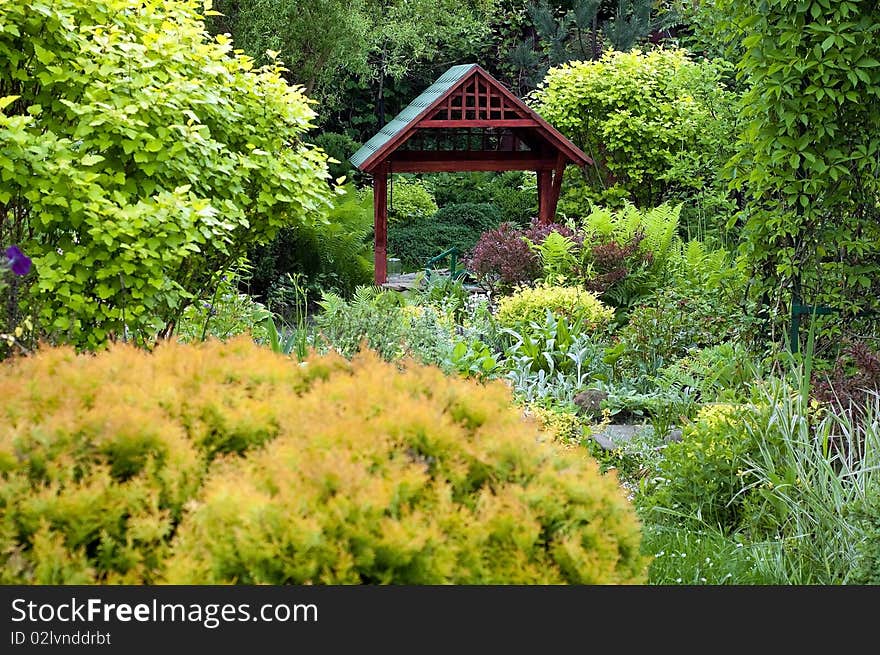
[91, 160]
[45, 56]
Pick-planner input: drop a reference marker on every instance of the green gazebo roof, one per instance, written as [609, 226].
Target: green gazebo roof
[412, 111]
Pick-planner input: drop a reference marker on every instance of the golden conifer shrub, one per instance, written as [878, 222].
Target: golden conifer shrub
[227, 463]
[383, 475]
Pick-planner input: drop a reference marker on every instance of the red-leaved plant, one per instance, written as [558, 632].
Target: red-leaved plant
[502, 260]
[852, 381]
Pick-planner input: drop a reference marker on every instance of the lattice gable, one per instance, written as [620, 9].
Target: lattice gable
[475, 101]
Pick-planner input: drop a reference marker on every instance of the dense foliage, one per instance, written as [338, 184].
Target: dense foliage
[808, 155]
[139, 158]
[656, 124]
[458, 226]
[531, 304]
[332, 255]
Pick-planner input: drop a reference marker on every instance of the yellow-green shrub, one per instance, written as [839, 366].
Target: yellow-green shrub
[532, 303]
[99, 454]
[563, 426]
[700, 479]
[225, 462]
[408, 477]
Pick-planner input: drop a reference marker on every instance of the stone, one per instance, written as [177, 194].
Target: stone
[616, 434]
[589, 402]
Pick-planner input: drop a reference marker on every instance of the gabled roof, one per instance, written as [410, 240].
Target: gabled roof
[402, 126]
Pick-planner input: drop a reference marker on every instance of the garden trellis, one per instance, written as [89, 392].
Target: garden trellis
[466, 121]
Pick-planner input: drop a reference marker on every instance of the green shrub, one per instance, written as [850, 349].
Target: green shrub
[454, 225]
[630, 251]
[721, 373]
[672, 325]
[225, 313]
[503, 259]
[100, 455]
[390, 476]
[140, 156]
[531, 304]
[698, 480]
[515, 193]
[382, 321]
[657, 124]
[409, 200]
[336, 255]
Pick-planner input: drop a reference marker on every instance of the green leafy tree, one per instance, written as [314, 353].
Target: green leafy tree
[316, 39]
[656, 124]
[808, 158]
[337, 48]
[139, 157]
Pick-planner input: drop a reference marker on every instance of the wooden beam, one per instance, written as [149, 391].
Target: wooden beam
[411, 161]
[471, 155]
[380, 222]
[461, 166]
[479, 122]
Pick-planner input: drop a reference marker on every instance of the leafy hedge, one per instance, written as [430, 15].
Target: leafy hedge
[531, 304]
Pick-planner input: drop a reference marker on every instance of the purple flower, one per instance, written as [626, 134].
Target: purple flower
[18, 261]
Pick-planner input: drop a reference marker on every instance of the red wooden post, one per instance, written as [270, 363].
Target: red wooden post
[545, 202]
[556, 186]
[380, 222]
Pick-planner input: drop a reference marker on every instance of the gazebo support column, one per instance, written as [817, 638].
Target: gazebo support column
[380, 222]
[556, 186]
[545, 203]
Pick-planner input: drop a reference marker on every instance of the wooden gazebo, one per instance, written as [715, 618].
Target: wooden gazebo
[466, 121]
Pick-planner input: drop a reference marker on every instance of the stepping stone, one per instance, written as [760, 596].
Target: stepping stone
[615, 435]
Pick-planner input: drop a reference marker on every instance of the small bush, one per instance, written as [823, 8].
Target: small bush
[531, 304]
[388, 476]
[698, 480]
[410, 200]
[502, 260]
[722, 373]
[381, 321]
[672, 326]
